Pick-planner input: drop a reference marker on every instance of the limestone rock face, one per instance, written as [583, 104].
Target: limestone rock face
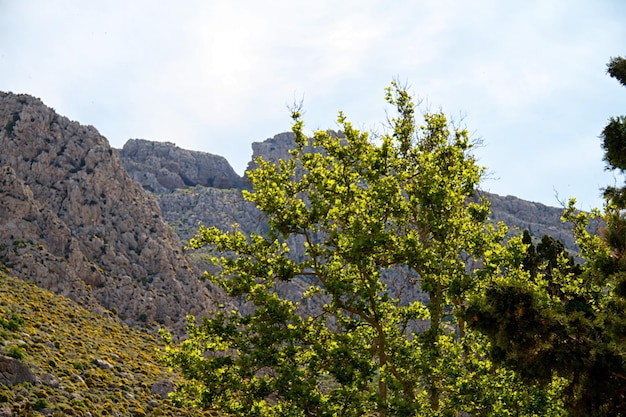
[73, 220]
[186, 209]
[537, 218]
[272, 149]
[38, 246]
[163, 167]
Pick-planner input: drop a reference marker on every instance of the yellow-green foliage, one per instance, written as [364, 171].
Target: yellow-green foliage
[55, 336]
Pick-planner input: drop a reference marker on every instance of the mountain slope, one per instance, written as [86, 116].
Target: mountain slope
[82, 363]
[73, 221]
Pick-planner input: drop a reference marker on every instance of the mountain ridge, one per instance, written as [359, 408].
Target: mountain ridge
[196, 206]
[104, 229]
[76, 222]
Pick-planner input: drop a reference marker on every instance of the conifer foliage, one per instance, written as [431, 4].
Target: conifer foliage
[614, 136]
[555, 319]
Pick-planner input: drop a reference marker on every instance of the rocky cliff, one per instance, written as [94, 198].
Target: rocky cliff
[184, 208]
[73, 221]
[162, 167]
[537, 218]
[272, 149]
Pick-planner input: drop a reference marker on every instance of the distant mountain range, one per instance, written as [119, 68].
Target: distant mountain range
[106, 227]
[187, 197]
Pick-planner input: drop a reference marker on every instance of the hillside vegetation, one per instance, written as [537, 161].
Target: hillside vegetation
[85, 364]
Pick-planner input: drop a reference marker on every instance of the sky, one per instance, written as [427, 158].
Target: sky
[526, 78]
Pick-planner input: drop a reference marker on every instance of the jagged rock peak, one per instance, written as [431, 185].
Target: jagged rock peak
[272, 149]
[278, 147]
[73, 221]
[164, 167]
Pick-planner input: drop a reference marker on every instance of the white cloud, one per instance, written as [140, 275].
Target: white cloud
[217, 75]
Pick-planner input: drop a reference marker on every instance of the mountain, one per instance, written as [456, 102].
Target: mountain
[73, 221]
[185, 206]
[101, 232]
[537, 218]
[106, 227]
[58, 359]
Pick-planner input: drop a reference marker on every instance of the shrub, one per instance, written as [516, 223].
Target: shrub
[15, 352]
[13, 324]
[40, 404]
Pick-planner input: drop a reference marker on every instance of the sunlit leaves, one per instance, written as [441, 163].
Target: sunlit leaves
[379, 237]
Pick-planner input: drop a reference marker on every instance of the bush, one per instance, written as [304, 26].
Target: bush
[40, 404]
[15, 352]
[13, 324]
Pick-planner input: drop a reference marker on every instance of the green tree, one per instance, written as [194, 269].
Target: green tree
[358, 224]
[614, 137]
[547, 317]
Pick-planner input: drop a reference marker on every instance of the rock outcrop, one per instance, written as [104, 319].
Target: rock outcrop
[186, 209]
[13, 372]
[272, 149]
[163, 167]
[537, 218]
[73, 221]
[38, 246]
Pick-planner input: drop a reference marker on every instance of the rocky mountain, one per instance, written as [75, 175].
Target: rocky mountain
[185, 207]
[73, 221]
[106, 227]
[537, 218]
[162, 167]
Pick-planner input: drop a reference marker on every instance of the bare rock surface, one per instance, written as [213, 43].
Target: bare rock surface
[13, 372]
[163, 167]
[272, 149]
[163, 387]
[537, 218]
[73, 221]
[186, 209]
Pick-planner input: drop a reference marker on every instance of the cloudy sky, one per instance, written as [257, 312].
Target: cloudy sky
[526, 77]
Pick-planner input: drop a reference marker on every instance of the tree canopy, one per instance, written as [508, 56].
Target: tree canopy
[387, 239]
[557, 318]
[614, 136]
